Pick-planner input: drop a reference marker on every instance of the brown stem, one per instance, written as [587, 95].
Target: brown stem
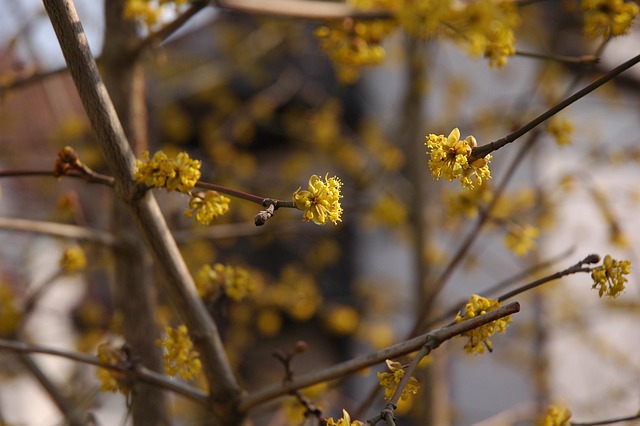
[434, 338]
[144, 209]
[484, 150]
[140, 373]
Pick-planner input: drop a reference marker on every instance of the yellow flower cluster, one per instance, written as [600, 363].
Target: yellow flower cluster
[236, 281]
[486, 26]
[561, 129]
[521, 239]
[352, 45]
[610, 278]
[321, 202]
[467, 202]
[424, 18]
[179, 356]
[9, 313]
[113, 380]
[479, 337]
[180, 173]
[73, 260]
[556, 416]
[207, 206]
[148, 11]
[390, 380]
[449, 158]
[344, 421]
[608, 18]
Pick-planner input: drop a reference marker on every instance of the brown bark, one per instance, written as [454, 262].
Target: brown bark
[134, 298]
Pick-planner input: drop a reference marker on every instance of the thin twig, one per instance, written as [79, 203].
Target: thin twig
[581, 60]
[578, 267]
[140, 373]
[484, 150]
[263, 201]
[164, 32]
[305, 9]
[608, 421]
[60, 230]
[71, 414]
[434, 338]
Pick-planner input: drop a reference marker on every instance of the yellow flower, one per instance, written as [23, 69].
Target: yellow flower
[449, 158]
[352, 45]
[322, 201]
[424, 18]
[486, 28]
[608, 18]
[479, 337]
[556, 416]
[207, 206]
[113, 380]
[341, 319]
[390, 380]
[179, 356]
[521, 239]
[467, 202]
[236, 282]
[344, 421]
[180, 173]
[73, 260]
[609, 278]
[561, 129]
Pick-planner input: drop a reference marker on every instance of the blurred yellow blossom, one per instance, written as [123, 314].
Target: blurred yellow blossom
[448, 158]
[344, 421]
[341, 319]
[148, 11]
[322, 200]
[390, 380]
[608, 18]
[521, 239]
[561, 129]
[467, 202]
[207, 206]
[179, 356]
[479, 337]
[113, 380]
[180, 173]
[556, 416]
[235, 281]
[353, 44]
[610, 278]
[424, 18]
[73, 260]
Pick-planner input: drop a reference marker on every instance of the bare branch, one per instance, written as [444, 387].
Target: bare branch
[143, 206]
[57, 230]
[140, 373]
[434, 339]
[309, 9]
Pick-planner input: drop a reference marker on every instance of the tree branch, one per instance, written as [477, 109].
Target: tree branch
[57, 230]
[140, 373]
[483, 150]
[143, 207]
[434, 339]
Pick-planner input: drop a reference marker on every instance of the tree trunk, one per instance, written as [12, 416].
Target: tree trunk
[133, 293]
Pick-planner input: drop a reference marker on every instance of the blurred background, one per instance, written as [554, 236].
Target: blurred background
[262, 105]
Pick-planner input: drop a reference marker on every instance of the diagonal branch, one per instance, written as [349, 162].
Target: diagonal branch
[140, 373]
[57, 230]
[434, 339]
[143, 207]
